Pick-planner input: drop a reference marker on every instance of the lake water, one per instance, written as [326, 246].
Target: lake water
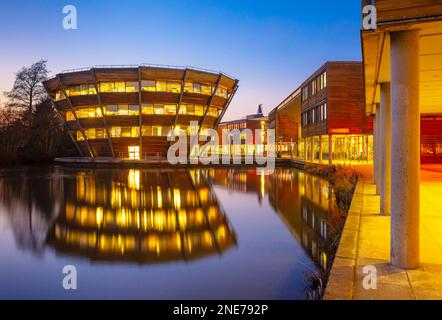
[162, 234]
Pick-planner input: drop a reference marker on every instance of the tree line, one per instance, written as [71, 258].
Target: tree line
[31, 130]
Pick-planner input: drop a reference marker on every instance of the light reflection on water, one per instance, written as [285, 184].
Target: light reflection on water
[162, 234]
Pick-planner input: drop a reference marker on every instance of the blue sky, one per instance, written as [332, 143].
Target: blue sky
[270, 46]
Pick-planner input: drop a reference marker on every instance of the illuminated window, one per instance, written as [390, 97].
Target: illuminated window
[161, 86]
[79, 136]
[199, 110]
[221, 92]
[156, 131]
[147, 108]
[214, 112]
[70, 116]
[146, 131]
[100, 133]
[170, 109]
[111, 110]
[73, 91]
[116, 132]
[92, 89]
[174, 87]
[197, 87]
[190, 109]
[206, 89]
[183, 109]
[134, 152]
[148, 85]
[126, 132]
[90, 133]
[158, 109]
[188, 87]
[120, 87]
[131, 86]
[165, 131]
[107, 87]
[133, 110]
[135, 132]
[59, 95]
[84, 89]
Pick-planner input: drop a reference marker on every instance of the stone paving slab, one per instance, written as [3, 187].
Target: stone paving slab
[366, 242]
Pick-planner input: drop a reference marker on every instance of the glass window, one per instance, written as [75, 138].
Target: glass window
[131, 86]
[134, 110]
[79, 136]
[84, 89]
[147, 108]
[165, 131]
[135, 132]
[206, 89]
[183, 109]
[90, 133]
[59, 95]
[100, 133]
[197, 87]
[107, 87]
[120, 87]
[123, 110]
[199, 110]
[148, 85]
[190, 109]
[82, 113]
[213, 112]
[92, 89]
[170, 109]
[126, 132]
[188, 87]
[73, 91]
[161, 86]
[111, 110]
[98, 112]
[70, 116]
[174, 87]
[146, 131]
[134, 152]
[156, 131]
[221, 92]
[116, 132]
[158, 109]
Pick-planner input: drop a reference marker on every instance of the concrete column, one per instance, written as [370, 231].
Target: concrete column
[330, 149]
[385, 149]
[320, 149]
[375, 153]
[378, 149]
[405, 149]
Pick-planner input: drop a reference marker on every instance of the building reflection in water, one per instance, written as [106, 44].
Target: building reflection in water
[141, 216]
[303, 202]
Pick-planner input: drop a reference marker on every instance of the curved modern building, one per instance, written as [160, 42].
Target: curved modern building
[127, 112]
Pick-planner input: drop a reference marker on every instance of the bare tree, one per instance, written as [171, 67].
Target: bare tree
[28, 90]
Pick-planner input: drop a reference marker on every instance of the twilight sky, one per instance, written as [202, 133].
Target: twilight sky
[270, 46]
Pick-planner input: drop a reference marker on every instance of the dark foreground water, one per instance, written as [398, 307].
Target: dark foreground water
[162, 234]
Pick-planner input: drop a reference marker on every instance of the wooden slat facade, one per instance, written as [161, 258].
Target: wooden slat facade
[344, 96]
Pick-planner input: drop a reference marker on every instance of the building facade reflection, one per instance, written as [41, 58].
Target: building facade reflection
[303, 202]
[141, 216]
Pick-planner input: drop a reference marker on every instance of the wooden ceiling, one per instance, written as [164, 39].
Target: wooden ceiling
[394, 15]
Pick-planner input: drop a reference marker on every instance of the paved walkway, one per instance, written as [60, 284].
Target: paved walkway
[366, 241]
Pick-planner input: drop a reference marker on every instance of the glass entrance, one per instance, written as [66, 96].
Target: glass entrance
[134, 152]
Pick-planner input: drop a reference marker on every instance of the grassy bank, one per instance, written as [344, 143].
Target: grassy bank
[343, 180]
